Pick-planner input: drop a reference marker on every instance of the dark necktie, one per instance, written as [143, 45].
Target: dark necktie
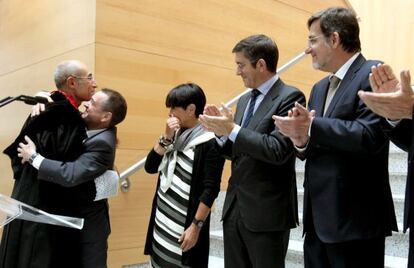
[333, 85]
[253, 96]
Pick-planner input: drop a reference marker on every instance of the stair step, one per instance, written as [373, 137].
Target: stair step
[296, 248]
[397, 180]
[295, 251]
[397, 198]
[213, 262]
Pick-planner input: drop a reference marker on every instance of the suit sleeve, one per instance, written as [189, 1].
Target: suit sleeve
[402, 134]
[271, 147]
[95, 160]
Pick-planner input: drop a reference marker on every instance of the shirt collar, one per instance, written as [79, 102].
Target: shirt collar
[344, 68]
[265, 87]
[92, 132]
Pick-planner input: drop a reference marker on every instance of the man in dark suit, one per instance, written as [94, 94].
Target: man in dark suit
[261, 201]
[102, 113]
[395, 101]
[348, 207]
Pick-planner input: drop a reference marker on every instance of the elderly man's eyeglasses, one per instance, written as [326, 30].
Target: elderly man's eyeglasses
[313, 40]
[89, 77]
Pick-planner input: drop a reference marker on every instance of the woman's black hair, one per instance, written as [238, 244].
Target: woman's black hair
[186, 94]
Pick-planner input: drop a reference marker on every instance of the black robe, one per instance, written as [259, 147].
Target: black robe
[58, 134]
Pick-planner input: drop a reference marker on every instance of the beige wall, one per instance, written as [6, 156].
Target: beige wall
[387, 31]
[141, 48]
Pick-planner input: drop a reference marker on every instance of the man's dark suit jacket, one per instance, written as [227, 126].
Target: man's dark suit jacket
[263, 180]
[347, 188]
[98, 156]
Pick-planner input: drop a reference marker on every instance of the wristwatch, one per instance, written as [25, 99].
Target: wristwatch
[32, 158]
[198, 223]
[164, 142]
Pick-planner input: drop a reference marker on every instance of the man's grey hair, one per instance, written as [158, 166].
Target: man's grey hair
[66, 69]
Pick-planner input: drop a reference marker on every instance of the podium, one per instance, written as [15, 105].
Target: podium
[11, 209]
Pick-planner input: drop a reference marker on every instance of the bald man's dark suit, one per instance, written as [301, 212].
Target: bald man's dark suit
[262, 186]
[347, 190]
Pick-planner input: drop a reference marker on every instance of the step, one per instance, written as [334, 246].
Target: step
[395, 245]
[397, 181]
[294, 256]
[395, 149]
[213, 262]
[217, 262]
[397, 198]
[216, 211]
[217, 208]
[397, 162]
[296, 249]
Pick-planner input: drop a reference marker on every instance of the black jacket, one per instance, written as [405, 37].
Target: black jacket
[58, 133]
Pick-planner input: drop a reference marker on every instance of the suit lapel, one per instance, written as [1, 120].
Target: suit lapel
[320, 97]
[241, 107]
[266, 104]
[100, 132]
[345, 83]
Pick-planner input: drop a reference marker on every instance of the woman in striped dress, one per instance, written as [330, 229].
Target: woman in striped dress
[190, 166]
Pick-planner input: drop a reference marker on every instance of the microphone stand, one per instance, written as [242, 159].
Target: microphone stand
[26, 99]
[7, 100]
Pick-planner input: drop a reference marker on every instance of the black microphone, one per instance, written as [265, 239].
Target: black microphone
[33, 100]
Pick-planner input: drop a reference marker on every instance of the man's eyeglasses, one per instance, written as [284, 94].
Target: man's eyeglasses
[312, 40]
[89, 77]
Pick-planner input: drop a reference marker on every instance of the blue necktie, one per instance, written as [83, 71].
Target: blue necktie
[253, 96]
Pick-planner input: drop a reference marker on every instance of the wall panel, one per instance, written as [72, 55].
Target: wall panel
[42, 29]
[387, 31]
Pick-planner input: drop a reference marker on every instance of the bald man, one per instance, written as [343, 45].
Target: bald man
[58, 134]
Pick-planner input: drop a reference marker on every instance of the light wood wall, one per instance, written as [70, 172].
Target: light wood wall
[143, 49]
[387, 31]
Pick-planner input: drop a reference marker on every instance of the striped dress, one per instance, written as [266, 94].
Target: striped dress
[171, 213]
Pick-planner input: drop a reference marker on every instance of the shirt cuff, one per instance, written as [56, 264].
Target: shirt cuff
[37, 161]
[303, 149]
[234, 132]
[221, 140]
[393, 123]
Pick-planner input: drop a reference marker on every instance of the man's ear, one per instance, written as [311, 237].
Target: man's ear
[261, 64]
[70, 82]
[106, 118]
[335, 40]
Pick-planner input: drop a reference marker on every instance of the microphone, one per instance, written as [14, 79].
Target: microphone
[33, 100]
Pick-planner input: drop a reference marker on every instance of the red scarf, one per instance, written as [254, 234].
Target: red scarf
[70, 98]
